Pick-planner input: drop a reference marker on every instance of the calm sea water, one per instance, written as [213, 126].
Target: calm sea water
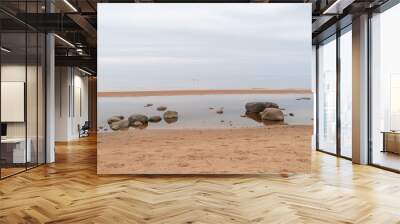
[195, 112]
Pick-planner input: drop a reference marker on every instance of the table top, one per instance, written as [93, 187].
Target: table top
[13, 140]
[391, 132]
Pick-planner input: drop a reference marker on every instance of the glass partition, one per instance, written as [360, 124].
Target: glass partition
[31, 97]
[327, 95]
[14, 153]
[346, 93]
[41, 97]
[22, 77]
[385, 89]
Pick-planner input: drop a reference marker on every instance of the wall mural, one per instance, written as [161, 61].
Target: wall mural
[204, 88]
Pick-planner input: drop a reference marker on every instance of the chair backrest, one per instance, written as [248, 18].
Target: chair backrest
[86, 125]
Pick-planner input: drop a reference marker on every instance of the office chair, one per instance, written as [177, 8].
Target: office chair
[84, 130]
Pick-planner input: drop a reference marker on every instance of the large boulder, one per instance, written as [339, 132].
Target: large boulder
[257, 107]
[170, 115]
[155, 119]
[254, 116]
[272, 114]
[137, 117]
[271, 105]
[137, 124]
[114, 119]
[119, 125]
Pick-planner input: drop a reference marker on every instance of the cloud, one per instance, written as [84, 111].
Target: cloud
[153, 60]
[213, 40]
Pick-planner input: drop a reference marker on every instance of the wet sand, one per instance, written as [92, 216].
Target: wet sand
[202, 92]
[261, 150]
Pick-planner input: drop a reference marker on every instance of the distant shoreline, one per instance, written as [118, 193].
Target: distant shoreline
[202, 92]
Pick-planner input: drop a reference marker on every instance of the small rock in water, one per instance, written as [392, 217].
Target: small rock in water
[124, 124]
[211, 108]
[155, 119]
[119, 125]
[170, 114]
[161, 108]
[272, 114]
[257, 107]
[291, 114]
[170, 120]
[243, 115]
[148, 105]
[222, 121]
[114, 126]
[304, 98]
[137, 117]
[114, 119]
[220, 111]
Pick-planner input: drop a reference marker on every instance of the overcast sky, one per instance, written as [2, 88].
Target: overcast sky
[207, 46]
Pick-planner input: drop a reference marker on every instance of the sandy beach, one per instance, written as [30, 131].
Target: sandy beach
[260, 150]
[202, 92]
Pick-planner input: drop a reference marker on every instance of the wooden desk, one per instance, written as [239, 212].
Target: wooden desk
[391, 141]
[13, 150]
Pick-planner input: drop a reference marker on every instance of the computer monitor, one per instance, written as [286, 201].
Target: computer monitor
[3, 129]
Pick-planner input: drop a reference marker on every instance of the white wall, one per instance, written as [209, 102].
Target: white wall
[62, 82]
[70, 84]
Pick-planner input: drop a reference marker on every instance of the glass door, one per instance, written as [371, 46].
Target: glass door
[385, 89]
[22, 77]
[14, 153]
[327, 96]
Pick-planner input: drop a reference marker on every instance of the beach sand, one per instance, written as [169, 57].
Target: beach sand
[202, 92]
[261, 150]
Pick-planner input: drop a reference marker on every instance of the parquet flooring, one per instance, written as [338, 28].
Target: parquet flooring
[69, 191]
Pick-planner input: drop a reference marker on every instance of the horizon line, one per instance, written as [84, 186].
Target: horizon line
[181, 92]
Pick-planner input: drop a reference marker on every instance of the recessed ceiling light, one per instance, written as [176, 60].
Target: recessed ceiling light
[70, 5]
[5, 50]
[337, 7]
[84, 71]
[64, 40]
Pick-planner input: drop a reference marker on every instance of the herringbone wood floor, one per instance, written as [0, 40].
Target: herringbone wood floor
[69, 191]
